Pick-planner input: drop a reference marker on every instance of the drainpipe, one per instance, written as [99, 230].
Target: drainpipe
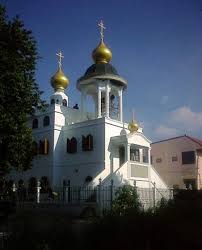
[198, 176]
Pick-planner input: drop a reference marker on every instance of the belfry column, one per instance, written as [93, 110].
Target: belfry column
[107, 100]
[99, 102]
[83, 101]
[120, 105]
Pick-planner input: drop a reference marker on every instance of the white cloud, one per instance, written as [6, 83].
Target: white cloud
[186, 119]
[162, 132]
[180, 121]
[164, 99]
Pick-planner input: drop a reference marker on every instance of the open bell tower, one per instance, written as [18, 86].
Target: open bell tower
[102, 82]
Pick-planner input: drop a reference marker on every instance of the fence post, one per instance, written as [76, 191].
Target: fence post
[99, 197]
[154, 194]
[171, 193]
[135, 185]
[14, 189]
[79, 194]
[111, 192]
[64, 190]
[38, 192]
[68, 191]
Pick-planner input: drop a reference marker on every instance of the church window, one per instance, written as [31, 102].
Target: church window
[145, 153]
[64, 102]
[71, 145]
[121, 155]
[35, 148]
[113, 106]
[87, 143]
[134, 154]
[102, 105]
[57, 101]
[44, 147]
[46, 121]
[35, 123]
[52, 101]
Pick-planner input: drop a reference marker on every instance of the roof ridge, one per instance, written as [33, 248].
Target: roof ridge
[172, 138]
[196, 140]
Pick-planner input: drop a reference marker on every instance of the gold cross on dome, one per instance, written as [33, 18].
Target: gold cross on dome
[60, 57]
[102, 27]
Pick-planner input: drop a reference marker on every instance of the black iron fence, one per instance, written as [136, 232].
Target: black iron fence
[102, 196]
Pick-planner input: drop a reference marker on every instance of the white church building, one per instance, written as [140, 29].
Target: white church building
[86, 148]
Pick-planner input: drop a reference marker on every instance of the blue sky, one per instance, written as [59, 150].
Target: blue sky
[156, 46]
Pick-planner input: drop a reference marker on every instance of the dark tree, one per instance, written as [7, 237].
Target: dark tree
[19, 93]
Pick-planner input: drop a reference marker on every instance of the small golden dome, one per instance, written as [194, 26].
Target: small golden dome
[59, 81]
[102, 54]
[133, 126]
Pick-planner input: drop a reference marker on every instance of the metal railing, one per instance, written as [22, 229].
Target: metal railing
[101, 195]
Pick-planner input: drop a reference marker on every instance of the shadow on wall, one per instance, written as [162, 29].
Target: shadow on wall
[118, 180]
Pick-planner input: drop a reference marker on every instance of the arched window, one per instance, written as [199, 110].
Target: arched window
[74, 145]
[87, 143]
[44, 147]
[64, 102]
[35, 123]
[71, 145]
[46, 121]
[52, 101]
[35, 148]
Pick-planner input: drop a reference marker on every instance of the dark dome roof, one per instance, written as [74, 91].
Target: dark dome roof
[100, 69]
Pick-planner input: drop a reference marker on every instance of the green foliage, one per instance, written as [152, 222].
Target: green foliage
[126, 201]
[19, 93]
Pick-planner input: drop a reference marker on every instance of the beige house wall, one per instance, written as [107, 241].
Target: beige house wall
[174, 172]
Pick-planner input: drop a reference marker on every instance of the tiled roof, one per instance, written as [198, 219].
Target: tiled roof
[196, 140]
[169, 139]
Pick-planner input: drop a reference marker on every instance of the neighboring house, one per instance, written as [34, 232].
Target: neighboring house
[89, 143]
[179, 161]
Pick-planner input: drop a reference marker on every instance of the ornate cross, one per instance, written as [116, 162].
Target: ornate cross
[60, 57]
[102, 27]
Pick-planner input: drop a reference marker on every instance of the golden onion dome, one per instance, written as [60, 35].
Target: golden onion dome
[102, 54]
[59, 81]
[133, 126]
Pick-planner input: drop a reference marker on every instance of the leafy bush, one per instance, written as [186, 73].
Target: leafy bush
[126, 201]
